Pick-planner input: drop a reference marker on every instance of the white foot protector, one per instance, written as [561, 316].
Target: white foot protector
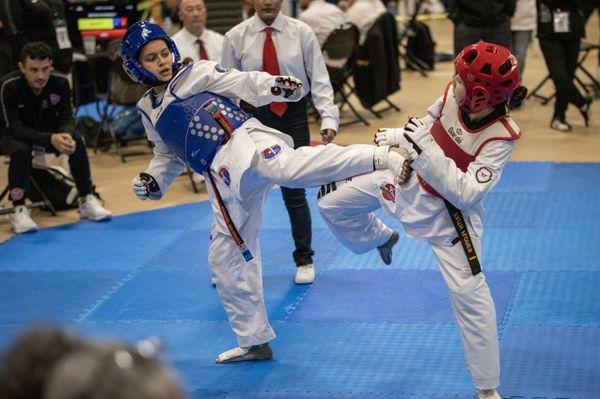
[256, 352]
[487, 394]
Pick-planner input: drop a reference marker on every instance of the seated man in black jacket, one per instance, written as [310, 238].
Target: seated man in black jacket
[35, 109]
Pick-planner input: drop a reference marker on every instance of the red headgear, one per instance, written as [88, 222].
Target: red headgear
[489, 73]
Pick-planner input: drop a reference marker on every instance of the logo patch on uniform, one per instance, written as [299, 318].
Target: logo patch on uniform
[54, 99]
[225, 176]
[483, 175]
[388, 191]
[271, 152]
[221, 69]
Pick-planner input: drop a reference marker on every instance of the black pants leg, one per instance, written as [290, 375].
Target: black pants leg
[295, 123]
[80, 167]
[19, 166]
[561, 59]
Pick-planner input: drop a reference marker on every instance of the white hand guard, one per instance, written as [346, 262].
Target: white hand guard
[389, 136]
[288, 87]
[396, 159]
[145, 186]
[417, 133]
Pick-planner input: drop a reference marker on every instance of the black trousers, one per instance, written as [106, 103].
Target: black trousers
[294, 123]
[19, 167]
[465, 35]
[561, 59]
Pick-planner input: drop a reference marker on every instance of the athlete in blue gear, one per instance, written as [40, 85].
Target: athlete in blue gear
[190, 117]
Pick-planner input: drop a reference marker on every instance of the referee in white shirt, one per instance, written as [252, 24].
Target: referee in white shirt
[193, 39]
[272, 42]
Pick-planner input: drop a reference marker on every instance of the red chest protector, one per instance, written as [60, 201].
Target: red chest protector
[461, 144]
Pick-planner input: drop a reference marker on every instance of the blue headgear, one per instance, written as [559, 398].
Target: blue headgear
[136, 37]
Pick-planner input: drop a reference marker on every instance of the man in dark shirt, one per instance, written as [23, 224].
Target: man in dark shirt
[475, 20]
[35, 111]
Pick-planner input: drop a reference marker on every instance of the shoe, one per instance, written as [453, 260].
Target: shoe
[561, 125]
[21, 222]
[585, 111]
[91, 208]
[197, 178]
[385, 250]
[487, 394]
[256, 352]
[305, 274]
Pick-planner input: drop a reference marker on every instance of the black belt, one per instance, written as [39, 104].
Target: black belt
[224, 123]
[460, 225]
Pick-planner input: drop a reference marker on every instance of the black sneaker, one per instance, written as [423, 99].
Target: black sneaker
[256, 352]
[385, 250]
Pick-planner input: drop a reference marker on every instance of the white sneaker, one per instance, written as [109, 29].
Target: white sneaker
[21, 222]
[305, 274]
[91, 208]
[487, 394]
[197, 178]
[560, 125]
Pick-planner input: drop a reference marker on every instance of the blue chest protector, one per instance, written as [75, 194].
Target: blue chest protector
[194, 128]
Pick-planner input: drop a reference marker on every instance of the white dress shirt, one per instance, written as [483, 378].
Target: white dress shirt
[187, 46]
[298, 53]
[363, 14]
[323, 18]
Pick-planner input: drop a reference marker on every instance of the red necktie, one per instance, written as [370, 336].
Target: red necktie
[202, 50]
[271, 65]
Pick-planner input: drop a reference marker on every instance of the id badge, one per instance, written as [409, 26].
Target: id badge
[561, 21]
[62, 37]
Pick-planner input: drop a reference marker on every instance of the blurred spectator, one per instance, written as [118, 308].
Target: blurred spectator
[194, 40]
[522, 25]
[38, 21]
[247, 9]
[37, 112]
[560, 29]
[475, 20]
[113, 370]
[322, 17]
[52, 363]
[363, 14]
[27, 363]
[6, 62]
[171, 21]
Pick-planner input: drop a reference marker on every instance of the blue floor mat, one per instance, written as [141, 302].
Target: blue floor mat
[58, 295]
[551, 362]
[557, 298]
[525, 177]
[394, 296]
[363, 330]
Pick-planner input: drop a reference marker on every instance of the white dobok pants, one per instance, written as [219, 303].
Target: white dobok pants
[348, 211]
[239, 283]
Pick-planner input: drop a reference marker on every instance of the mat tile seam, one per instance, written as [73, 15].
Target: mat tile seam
[90, 309]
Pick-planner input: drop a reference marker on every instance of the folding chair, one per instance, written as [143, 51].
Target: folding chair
[411, 62]
[339, 51]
